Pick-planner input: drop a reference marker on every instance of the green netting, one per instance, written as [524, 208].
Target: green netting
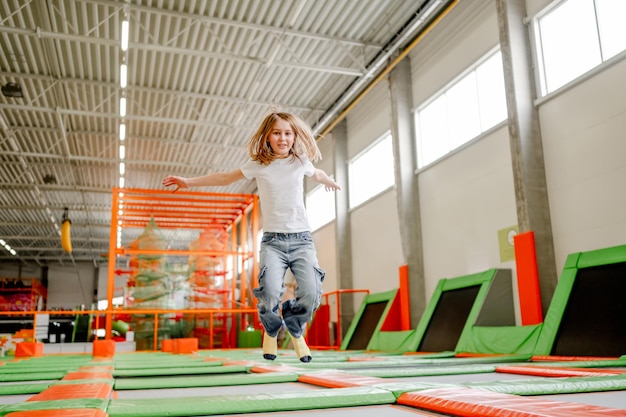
[32, 376]
[258, 403]
[18, 389]
[204, 381]
[96, 403]
[533, 386]
[179, 371]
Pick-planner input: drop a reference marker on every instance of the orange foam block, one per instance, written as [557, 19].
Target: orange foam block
[167, 345]
[471, 402]
[73, 391]
[104, 348]
[25, 349]
[186, 345]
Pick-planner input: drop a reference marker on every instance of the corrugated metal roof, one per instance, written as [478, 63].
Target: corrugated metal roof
[201, 75]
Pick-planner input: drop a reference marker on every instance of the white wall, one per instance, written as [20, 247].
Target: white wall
[376, 248]
[584, 140]
[70, 287]
[464, 200]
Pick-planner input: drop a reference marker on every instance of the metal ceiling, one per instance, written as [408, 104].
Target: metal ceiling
[201, 75]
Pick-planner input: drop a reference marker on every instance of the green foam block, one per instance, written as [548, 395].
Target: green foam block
[19, 389]
[33, 376]
[179, 371]
[425, 371]
[554, 385]
[204, 381]
[238, 404]
[165, 363]
[96, 403]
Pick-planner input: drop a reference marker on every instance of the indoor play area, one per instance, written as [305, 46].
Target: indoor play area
[465, 222]
[466, 357]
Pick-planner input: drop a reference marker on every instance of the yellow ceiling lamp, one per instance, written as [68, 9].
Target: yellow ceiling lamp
[66, 239]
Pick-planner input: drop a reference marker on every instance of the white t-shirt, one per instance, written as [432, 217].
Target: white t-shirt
[281, 192]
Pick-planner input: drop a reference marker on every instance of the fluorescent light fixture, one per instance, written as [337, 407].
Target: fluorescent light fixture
[125, 28]
[122, 152]
[123, 75]
[121, 182]
[123, 106]
[122, 168]
[122, 131]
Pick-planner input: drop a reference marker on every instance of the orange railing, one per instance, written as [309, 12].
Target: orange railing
[184, 210]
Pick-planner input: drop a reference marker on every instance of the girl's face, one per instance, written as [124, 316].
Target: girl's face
[281, 138]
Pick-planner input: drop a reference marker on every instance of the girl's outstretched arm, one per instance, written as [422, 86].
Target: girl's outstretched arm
[215, 179]
[323, 178]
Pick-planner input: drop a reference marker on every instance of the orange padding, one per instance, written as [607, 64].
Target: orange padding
[74, 412]
[27, 349]
[339, 380]
[71, 376]
[557, 371]
[104, 348]
[469, 402]
[98, 368]
[186, 345]
[266, 368]
[73, 391]
[167, 345]
[549, 358]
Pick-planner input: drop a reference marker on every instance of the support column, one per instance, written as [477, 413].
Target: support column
[531, 194]
[342, 224]
[407, 189]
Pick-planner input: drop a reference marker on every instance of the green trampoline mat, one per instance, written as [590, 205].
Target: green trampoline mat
[19, 389]
[237, 404]
[96, 403]
[204, 381]
[194, 370]
[31, 376]
[554, 385]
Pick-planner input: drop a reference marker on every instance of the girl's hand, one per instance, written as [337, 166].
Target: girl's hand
[332, 187]
[179, 182]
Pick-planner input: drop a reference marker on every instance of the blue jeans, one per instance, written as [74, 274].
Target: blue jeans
[280, 251]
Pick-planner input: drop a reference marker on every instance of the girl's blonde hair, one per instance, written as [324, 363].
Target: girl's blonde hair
[303, 144]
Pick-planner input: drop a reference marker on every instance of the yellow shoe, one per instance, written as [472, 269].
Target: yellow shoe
[270, 347]
[302, 350]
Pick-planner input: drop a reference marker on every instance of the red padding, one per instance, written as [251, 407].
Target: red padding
[339, 380]
[318, 333]
[469, 402]
[554, 371]
[527, 278]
